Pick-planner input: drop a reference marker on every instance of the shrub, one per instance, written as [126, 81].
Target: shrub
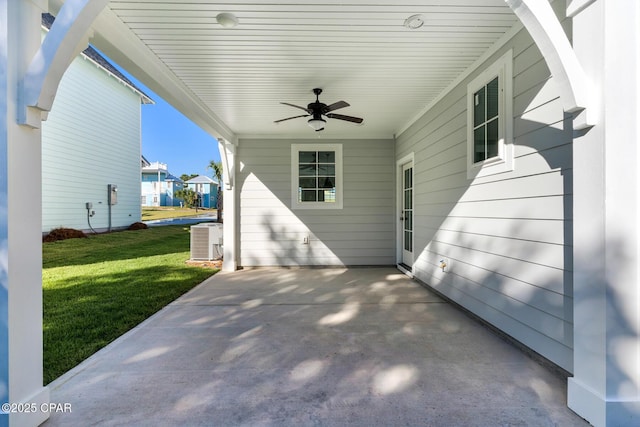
[63, 234]
[138, 226]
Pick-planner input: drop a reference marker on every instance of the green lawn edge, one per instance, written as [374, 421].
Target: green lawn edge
[98, 288]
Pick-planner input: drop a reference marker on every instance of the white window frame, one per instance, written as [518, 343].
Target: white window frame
[295, 149]
[504, 161]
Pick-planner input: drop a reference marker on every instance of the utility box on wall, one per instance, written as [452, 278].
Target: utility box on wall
[113, 194]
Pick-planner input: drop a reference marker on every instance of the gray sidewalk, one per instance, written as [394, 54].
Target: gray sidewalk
[299, 347]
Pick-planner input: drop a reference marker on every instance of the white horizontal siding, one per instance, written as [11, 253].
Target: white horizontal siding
[362, 233]
[506, 237]
[90, 139]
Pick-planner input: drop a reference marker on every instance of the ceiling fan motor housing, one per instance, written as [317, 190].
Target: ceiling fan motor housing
[318, 110]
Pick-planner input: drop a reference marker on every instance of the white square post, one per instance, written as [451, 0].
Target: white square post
[605, 388]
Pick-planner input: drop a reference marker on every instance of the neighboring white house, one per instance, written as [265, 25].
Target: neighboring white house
[91, 140]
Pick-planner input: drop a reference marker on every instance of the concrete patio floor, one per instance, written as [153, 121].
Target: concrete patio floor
[298, 347]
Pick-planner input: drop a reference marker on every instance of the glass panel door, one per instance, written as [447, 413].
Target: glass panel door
[407, 214]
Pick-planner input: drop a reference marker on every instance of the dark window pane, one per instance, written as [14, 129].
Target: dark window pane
[326, 170]
[306, 157]
[326, 182]
[326, 157]
[308, 196]
[407, 241]
[307, 182]
[408, 194]
[408, 220]
[492, 99]
[492, 138]
[307, 170]
[478, 108]
[478, 144]
[317, 176]
[408, 178]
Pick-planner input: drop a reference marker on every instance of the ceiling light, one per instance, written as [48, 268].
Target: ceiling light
[227, 20]
[414, 22]
[317, 124]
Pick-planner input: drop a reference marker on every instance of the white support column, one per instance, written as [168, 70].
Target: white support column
[4, 206]
[29, 77]
[20, 219]
[605, 388]
[230, 217]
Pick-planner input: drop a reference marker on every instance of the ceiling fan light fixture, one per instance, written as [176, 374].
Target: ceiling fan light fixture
[414, 22]
[317, 124]
[227, 20]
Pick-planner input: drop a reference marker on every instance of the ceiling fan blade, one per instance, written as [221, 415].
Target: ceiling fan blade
[334, 106]
[289, 118]
[346, 118]
[296, 106]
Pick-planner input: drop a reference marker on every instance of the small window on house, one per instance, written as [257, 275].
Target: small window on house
[316, 171]
[485, 122]
[490, 120]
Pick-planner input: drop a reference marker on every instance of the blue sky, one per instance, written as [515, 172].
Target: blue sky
[169, 137]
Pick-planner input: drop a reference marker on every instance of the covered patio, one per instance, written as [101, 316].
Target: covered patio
[497, 162]
[356, 346]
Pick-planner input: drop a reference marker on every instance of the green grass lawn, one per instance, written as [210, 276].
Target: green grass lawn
[97, 288]
[150, 213]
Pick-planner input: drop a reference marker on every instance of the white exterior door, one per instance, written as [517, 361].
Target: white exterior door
[406, 214]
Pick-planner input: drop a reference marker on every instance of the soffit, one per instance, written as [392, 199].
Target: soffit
[357, 51]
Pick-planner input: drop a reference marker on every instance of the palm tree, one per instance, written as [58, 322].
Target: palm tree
[216, 167]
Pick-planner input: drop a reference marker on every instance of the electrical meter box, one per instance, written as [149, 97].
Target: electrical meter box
[112, 194]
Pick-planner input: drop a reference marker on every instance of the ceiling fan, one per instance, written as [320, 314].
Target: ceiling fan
[318, 111]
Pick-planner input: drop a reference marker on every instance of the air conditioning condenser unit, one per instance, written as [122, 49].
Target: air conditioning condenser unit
[206, 241]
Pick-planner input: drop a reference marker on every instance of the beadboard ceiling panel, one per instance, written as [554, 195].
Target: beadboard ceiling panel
[357, 51]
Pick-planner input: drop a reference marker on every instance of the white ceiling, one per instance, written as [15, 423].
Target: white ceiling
[356, 50]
